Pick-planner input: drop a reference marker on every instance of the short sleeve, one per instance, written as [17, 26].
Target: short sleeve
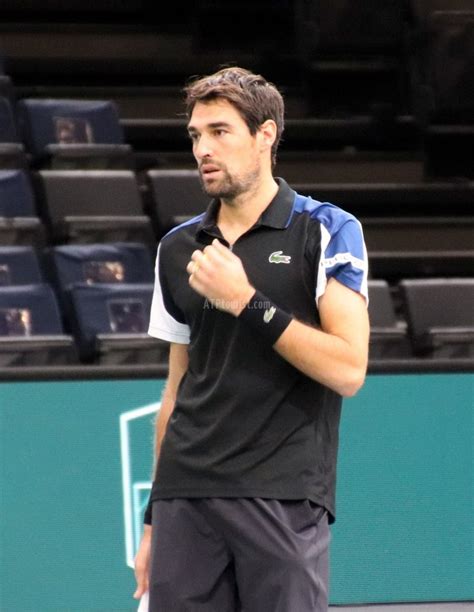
[163, 320]
[343, 257]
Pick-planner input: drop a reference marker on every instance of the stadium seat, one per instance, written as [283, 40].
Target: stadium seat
[31, 331]
[69, 134]
[90, 206]
[440, 316]
[114, 263]
[19, 223]
[388, 336]
[176, 195]
[19, 265]
[110, 323]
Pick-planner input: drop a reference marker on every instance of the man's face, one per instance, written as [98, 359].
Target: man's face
[227, 154]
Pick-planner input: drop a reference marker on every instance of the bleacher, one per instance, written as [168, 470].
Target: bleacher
[95, 162]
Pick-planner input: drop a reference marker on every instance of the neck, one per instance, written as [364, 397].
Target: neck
[238, 215]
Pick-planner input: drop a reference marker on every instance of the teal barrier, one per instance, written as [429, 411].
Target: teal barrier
[75, 471]
[404, 529]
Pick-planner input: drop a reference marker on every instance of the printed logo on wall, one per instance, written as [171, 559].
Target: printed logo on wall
[136, 457]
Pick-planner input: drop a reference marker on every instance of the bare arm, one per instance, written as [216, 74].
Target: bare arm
[178, 363]
[337, 354]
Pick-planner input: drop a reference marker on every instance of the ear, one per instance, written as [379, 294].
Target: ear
[267, 134]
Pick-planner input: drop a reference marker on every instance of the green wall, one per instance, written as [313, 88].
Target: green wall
[74, 475]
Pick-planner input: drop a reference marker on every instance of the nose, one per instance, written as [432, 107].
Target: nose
[202, 148]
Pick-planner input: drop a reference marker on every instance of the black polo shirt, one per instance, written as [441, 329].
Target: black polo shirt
[247, 423]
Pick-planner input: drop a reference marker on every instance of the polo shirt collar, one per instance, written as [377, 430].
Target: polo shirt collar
[277, 214]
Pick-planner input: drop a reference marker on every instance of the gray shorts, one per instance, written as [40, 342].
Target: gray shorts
[239, 555]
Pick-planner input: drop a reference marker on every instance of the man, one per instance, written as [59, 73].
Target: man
[263, 299]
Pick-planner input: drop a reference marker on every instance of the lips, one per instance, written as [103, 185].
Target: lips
[209, 169]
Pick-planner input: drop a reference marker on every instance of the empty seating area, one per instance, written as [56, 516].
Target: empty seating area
[96, 164]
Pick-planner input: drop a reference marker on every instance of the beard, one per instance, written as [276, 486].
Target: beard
[229, 186]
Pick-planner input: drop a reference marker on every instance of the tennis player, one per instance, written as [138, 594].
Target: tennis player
[263, 298]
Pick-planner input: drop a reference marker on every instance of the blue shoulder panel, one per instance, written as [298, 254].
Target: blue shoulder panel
[343, 251]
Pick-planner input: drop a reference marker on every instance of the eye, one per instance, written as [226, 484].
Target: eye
[220, 132]
[193, 136]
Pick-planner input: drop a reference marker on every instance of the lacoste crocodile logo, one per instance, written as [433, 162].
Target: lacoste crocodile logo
[277, 257]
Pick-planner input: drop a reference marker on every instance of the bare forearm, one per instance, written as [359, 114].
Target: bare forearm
[324, 357]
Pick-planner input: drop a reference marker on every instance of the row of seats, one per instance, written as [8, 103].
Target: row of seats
[118, 205]
[107, 324]
[66, 265]
[101, 296]
[437, 318]
[95, 205]
[71, 134]
[60, 133]
[81, 302]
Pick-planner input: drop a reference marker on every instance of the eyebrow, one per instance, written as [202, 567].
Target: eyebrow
[214, 125]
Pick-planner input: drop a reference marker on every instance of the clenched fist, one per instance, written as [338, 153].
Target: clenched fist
[218, 274]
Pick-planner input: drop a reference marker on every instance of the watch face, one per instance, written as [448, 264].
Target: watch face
[127, 316]
[103, 272]
[72, 130]
[15, 322]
